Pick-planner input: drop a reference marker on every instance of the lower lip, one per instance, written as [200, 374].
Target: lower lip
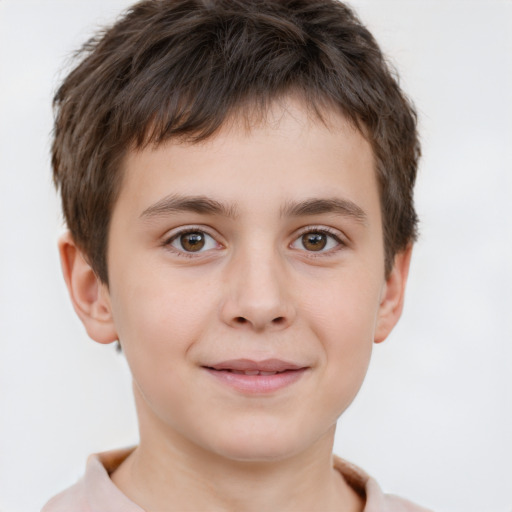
[257, 384]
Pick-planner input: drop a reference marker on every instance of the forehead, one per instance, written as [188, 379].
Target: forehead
[258, 161]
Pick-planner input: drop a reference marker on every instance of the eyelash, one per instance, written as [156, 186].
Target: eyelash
[182, 253]
[310, 229]
[335, 235]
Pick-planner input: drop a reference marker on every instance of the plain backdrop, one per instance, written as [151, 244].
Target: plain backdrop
[433, 421]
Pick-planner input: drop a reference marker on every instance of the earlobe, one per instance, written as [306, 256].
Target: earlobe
[393, 293]
[89, 296]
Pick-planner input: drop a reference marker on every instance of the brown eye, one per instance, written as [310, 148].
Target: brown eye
[318, 240]
[192, 242]
[314, 241]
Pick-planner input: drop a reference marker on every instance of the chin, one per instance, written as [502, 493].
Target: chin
[261, 444]
[257, 452]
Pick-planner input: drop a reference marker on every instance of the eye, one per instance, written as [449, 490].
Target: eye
[317, 240]
[192, 241]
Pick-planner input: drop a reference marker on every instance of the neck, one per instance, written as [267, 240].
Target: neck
[168, 472]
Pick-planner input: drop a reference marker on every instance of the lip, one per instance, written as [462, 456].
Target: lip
[231, 374]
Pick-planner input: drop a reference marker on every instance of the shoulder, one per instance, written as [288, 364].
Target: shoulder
[397, 504]
[95, 491]
[72, 498]
[366, 486]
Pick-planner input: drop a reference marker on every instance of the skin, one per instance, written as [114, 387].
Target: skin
[256, 290]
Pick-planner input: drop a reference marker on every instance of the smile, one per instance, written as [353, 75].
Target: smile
[256, 377]
[250, 372]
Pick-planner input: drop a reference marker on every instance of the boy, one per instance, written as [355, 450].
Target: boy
[237, 179]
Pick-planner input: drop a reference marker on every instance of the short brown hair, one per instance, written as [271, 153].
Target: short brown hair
[179, 68]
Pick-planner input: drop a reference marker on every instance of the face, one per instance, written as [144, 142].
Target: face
[246, 282]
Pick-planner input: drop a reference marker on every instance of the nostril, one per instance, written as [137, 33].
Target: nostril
[240, 320]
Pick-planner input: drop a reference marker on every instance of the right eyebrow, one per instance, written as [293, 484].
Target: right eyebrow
[174, 203]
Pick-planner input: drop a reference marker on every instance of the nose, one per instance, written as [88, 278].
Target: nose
[258, 294]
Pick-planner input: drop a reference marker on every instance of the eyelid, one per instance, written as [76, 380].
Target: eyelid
[175, 233]
[337, 235]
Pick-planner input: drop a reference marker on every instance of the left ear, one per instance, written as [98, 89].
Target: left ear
[392, 298]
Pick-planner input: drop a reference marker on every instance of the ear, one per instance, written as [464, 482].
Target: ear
[392, 298]
[89, 296]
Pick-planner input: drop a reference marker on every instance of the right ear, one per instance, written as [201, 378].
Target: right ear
[89, 296]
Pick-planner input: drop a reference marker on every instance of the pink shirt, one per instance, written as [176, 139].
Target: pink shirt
[95, 491]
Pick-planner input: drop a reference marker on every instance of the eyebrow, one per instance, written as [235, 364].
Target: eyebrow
[334, 205]
[197, 204]
[204, 205]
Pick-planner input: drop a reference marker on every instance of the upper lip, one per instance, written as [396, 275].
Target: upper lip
[267, 365]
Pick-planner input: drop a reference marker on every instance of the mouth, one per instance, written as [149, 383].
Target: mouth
[256, 377]
[249, 372]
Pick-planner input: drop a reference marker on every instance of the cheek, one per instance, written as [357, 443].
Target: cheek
[155, 301]
[343, 319]
[344, 311]
[158, 327]
[158, 320]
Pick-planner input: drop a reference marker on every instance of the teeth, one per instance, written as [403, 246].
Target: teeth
[252, 372]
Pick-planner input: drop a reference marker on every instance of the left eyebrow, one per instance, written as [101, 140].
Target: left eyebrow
[197, 204]
[316, 206]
